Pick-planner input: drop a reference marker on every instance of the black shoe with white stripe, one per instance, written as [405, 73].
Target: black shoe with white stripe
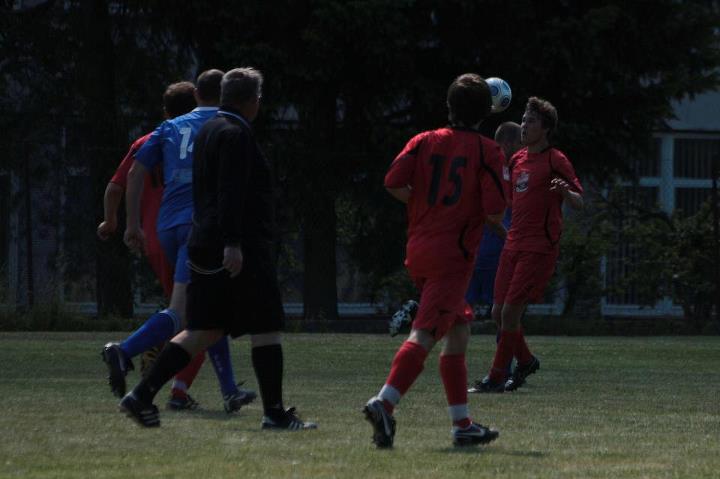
[233, 402]
[518, 377]
[146, 415]
[473, 434]
[382, 422]
[118, 366]
[285, 420]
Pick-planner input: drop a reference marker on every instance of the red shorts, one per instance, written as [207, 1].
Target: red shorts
[160, 265]
[522, 276]
[442, 303]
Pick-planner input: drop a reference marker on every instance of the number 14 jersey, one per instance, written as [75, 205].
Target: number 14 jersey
[456, 179]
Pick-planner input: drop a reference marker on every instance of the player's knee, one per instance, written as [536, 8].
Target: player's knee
[423, 338]
[265, 339]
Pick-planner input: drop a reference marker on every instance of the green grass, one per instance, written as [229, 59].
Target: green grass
[598, 408]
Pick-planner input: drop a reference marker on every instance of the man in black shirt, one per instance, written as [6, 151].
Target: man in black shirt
[233, 286]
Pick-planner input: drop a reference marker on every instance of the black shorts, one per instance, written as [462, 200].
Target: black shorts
[249, 303]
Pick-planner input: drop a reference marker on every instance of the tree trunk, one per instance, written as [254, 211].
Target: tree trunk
[319, 239]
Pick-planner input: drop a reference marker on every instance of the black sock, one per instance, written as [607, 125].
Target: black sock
[171, 360]
[268, 364]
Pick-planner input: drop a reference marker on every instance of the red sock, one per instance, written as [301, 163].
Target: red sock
[407, 365]
[503, 355]
[522, 352]
[191, 371]
[453, 371]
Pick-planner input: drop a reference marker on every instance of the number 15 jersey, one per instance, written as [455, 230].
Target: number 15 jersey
[456, 179]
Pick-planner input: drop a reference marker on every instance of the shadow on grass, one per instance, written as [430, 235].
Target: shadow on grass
[479, 449]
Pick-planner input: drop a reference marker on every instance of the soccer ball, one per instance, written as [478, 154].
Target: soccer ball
[500, 93]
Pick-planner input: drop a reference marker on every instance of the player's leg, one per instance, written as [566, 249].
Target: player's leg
[408, 363]
[160, 327]
[138, 404]
[453, 371]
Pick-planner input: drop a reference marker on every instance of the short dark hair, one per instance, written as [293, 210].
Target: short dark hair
[179, 98]
[208, 85]
[241, 85]
[468, 99]
[545, 111]
[508, 132]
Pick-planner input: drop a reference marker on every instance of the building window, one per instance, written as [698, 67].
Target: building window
[693, 157]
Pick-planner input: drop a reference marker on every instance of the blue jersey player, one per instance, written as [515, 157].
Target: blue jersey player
[171, 146]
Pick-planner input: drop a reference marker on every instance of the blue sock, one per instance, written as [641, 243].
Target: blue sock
[219, 354]
[159, 327]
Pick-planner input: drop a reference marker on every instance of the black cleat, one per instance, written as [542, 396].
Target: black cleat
[118, 366]
[233, 402]
[473, 434]
[286, 420]
[182, 403]
[485, 385]
[382, 422]
[517, 378]
[403, 317]
[144, 414]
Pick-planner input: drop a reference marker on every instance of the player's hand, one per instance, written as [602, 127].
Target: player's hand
[134, 238]
[559, 185]
[106, 229]
[233, 260]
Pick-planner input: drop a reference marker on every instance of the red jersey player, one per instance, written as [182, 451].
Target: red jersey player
[451, 180]
[178, 100]
[541, 179]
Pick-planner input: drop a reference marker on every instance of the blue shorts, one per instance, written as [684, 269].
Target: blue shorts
[174, 244]
[480, 289]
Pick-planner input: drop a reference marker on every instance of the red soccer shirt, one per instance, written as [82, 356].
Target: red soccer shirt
[151, 195]
[536, 211]
[456, 180]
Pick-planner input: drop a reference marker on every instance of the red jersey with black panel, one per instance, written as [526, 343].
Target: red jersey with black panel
[536, 211]
[456, 179]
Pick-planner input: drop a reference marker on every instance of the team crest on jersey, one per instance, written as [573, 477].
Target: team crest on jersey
[521, 184]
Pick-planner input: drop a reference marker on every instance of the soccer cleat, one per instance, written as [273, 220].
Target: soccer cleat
[118, 366]
[146, 415]
[233, 402]
[383, 423]
[473, 434]
[182, 403]
[485, 385]
[403, 317]
[518, 377]
[148, 358]
[286, 420]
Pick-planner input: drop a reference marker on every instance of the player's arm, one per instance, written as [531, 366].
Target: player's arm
[398, 179]
[566, 182]
[111, 205]
[134, 235]
[402, 194]
[495, 223]
[113, 195]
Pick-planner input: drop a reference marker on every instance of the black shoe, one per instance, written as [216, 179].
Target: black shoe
[382, 422]
[233, 402]
[144, 414]
[182, 403]
[517, 378]
[474, 434]
[485, 385]
[403, 318]
[285, 420]
[118, 366]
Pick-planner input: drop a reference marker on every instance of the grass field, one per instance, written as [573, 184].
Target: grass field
[598, 408]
